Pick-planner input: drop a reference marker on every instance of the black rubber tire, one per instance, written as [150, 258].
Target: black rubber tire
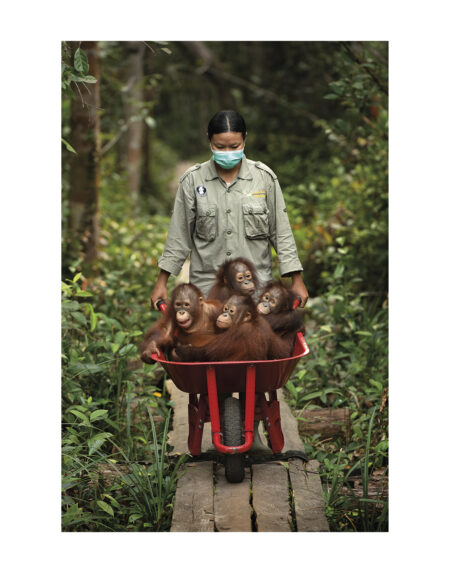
[232, 436]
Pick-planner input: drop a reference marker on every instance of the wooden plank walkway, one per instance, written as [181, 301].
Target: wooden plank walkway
[274, 496]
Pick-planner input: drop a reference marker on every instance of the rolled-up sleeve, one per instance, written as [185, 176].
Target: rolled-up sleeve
[281, 236]
[179, 237]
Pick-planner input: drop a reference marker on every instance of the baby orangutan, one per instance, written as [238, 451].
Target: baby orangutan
[276, 305]
[246, 336]
[189, 320]
[237, 276]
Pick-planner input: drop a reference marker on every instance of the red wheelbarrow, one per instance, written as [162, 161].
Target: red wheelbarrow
[210, 385]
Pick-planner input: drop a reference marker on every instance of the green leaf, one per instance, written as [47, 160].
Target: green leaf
[330, 96]
[134, 517]
[70, 305]
[93, 319]
[301, 374]
[114, 502]
[83, 293]
[320, 393]
[339, 271]
[97, 414]
[363, 333]
[97, 441]
[80, 62]
[106, 507]
[88, 79]
[378, 385]
[120, 337]
[127, 349]
[85, 368]
[79, 415]
[292, 389]
[76, 277]
[68, 146]
[80, 318]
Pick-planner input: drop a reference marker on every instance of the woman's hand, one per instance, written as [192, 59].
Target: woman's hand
[160, 290]
[298, 286]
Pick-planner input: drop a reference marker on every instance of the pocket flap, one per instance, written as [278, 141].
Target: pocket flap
[251, 209]
[206, 210]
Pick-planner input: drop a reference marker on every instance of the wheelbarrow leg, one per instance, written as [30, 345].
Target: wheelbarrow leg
[272, 420]
[197, 409]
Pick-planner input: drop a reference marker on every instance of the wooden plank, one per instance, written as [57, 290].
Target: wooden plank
[305, 479]
[194, 500]
[308, 500]
[232, 509]
[271, 497]
[179, 435]
[289, 426]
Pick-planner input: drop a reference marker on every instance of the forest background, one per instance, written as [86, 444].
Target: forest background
[134, 117]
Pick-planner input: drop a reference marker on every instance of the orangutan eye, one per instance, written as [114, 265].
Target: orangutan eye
[225, 309]
[266, 297]
[240, 277]
[231, 311]
[248, 275]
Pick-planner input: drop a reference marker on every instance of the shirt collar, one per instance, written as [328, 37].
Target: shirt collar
[211, 171]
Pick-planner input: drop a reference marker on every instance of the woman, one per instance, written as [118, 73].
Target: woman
[228, 207]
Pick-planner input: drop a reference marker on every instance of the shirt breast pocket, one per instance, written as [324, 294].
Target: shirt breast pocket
[206, 223]
[256, 221]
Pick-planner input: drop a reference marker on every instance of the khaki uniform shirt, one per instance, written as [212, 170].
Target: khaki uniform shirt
[216, 223]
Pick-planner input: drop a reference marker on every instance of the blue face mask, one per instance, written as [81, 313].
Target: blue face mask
[228, 159]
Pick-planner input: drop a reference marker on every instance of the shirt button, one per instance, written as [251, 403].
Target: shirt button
[228, 232]
[250, 211]
[228, 253]
[228, 211]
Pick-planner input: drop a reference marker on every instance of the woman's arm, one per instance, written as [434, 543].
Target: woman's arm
[160, 290]
[298, 286]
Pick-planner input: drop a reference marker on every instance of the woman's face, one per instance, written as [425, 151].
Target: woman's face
[228, 141]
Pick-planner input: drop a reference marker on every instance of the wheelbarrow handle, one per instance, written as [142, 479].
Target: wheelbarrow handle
[161, 305]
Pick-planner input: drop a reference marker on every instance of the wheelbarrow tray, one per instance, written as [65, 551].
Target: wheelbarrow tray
[191, 377]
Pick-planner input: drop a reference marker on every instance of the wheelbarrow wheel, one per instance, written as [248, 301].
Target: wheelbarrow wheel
[232, 436]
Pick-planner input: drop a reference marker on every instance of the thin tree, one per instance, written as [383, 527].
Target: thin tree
[133, 108]
[85, 166]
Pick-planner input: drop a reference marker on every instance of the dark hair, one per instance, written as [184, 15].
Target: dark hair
[227, 120]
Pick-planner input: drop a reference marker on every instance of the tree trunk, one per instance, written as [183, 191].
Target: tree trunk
[146, 181]
[85, 166]
[133, 106]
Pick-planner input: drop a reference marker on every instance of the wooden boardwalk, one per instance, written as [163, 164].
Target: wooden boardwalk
[274, 496]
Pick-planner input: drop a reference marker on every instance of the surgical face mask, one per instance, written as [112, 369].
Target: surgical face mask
[228, 159]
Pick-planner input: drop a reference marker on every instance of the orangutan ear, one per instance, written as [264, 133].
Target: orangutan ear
[200, 299]
[247, 317]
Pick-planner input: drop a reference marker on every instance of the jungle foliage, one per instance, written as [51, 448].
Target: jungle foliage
[317, 114]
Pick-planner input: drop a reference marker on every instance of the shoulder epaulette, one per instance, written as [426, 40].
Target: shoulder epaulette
[264, 167]
[190, 170]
